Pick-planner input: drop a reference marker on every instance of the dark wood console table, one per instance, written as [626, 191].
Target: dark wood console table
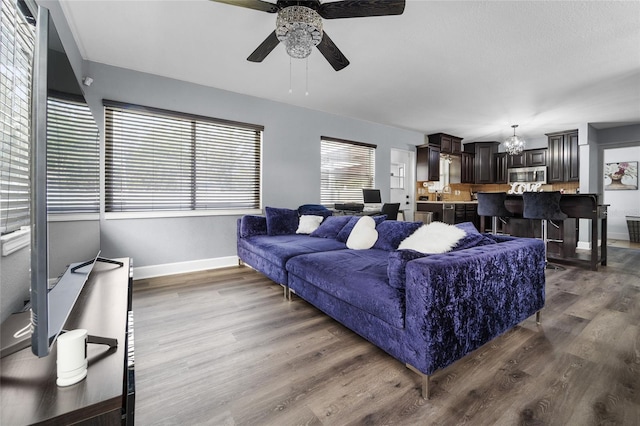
[28, 390]
[576, 206]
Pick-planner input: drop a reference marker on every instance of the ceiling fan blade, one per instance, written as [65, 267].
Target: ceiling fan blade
[251, 4]
[265, 48]
[330, 51]
[361, 8]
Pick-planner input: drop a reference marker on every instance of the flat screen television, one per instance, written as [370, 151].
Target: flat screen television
[49, 307]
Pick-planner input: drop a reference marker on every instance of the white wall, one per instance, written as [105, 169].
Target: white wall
[617, 144]
[621, 203]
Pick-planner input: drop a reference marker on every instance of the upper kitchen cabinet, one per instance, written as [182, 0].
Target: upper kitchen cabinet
[484, 161]
[501, 167]
[448, 144]
[467, 167]
[528, 158]
[428, 163]
[535, 157]
[564, 159]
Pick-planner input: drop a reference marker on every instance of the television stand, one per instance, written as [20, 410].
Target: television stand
[107, 394]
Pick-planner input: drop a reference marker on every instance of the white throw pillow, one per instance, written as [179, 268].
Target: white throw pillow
[308, 223]
[364, 234]
[436, 237]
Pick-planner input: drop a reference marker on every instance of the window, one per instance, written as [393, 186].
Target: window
[346, 168]
[159, 160]
[16, 55]
[73, 158]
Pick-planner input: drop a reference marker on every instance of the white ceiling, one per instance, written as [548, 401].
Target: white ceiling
[470, 69]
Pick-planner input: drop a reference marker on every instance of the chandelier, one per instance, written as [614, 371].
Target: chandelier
[514, 144]
[300, 29]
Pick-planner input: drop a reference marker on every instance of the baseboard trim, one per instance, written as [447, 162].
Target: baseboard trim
[152, 271]
[584, 245]
[622, 236]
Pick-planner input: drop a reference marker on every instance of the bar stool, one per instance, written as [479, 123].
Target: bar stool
[492, 204]
[544, 206]
[391, 210]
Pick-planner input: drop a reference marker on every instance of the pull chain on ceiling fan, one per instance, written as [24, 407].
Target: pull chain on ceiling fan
[299, 24]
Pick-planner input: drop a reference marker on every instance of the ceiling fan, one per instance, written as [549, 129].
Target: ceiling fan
[299, 24]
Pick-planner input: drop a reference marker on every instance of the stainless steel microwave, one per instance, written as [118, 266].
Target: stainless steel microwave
[528, 175]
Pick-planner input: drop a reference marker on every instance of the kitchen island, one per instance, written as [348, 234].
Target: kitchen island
[576, 206]
[450, 211]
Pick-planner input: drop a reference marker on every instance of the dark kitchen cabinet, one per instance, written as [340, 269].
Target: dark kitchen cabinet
[500, 160]
[564, 158]
[467, 213]
[515, 161]
[565, 235]
[528, 158]
[448, 144]
[535, 157]
[436, 209]
[452, 212]
[467, 167]
[428, 163]
[484, 160]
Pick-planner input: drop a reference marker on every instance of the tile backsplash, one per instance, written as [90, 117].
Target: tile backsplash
[463, 191]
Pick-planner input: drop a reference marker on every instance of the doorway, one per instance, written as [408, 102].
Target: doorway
[402, 184]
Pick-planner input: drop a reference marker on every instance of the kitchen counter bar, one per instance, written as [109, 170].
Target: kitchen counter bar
[579, 206]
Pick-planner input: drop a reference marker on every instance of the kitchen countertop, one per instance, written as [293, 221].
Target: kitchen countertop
[447, 202]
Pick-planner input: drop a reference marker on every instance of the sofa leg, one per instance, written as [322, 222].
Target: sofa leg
[538, 318]
[240, 262]
[425, 381]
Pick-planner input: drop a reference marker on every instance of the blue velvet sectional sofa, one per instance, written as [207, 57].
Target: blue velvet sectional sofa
[427, 311]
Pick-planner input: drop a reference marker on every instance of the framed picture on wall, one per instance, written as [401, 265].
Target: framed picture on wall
[621, 176]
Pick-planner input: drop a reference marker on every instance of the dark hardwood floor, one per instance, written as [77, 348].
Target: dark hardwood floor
[224, 348]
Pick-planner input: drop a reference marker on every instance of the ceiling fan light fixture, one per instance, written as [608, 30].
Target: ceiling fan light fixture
[514, 144]
[300, 29]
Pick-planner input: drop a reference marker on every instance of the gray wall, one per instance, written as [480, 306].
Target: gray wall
[291, 160]
[14, 282]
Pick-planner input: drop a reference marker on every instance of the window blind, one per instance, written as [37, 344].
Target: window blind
[162, 160]
[346, 168]
[73, 158]
[16, 55]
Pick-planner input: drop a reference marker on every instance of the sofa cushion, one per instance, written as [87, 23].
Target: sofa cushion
[472, 238]
[281, 221]
[391, 233]
[330, 227]
[278, 249]
[343, 235]
[397, 263]
[314, 209]
[252, 225]
[357, 277]
[308, 224]
[436, 237]
[364, 235]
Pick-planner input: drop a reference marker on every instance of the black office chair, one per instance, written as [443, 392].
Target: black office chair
[391, 210]
[544, 206]
[491, 204]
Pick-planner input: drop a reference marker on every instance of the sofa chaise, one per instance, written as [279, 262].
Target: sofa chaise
[426, 310]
